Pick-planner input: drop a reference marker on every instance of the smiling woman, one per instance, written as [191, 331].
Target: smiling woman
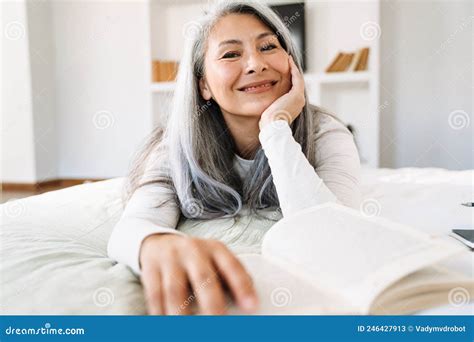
[241, 133]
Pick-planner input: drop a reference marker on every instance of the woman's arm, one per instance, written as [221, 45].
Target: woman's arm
[298, 184]
[140, 219]
[167, 263]
[338, 162]
[167, 260]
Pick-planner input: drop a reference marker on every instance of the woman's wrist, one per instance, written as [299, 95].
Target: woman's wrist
[148, 242]
[269, 118]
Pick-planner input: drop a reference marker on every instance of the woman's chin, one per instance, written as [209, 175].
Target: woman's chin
[259, 108]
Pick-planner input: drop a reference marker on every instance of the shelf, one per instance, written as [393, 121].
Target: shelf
[339, 77]
[162, 87]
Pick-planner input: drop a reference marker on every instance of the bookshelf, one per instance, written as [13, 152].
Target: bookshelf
[353, 96]
[319, 78]
[162, 87]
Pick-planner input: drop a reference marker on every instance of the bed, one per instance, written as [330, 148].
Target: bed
[53, 246]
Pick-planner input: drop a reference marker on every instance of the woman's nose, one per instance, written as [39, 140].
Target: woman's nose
[255, 63]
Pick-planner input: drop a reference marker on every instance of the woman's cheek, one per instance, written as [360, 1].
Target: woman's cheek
[286, 82]
[283, 67]
[227, 77]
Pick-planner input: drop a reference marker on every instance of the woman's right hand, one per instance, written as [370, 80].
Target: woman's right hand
[179, 270]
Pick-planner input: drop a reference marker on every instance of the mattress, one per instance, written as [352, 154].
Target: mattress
[53, 257]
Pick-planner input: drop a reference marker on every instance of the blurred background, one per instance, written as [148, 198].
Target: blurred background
[84, 82]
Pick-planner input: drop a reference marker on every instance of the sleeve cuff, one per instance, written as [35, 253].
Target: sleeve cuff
[127, 237]
[277, 127]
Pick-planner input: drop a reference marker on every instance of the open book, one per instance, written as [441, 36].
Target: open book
[331, 259]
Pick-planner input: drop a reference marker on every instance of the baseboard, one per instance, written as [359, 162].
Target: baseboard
[53, 183]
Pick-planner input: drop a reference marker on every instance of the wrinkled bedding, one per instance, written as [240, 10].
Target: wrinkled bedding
[53, 257]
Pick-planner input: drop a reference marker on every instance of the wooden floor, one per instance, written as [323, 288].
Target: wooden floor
[11, 195]
[10, 191]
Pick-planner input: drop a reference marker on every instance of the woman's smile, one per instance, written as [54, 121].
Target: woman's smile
[259, 88]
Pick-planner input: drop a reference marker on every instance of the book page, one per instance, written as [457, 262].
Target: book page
[430, 287]
[282, 293]
[353, 255]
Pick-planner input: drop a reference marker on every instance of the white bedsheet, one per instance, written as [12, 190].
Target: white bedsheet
[53, 256]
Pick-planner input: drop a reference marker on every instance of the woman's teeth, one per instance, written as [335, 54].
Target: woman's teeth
[266, 85]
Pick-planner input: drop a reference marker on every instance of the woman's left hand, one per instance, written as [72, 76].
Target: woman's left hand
[288, 106]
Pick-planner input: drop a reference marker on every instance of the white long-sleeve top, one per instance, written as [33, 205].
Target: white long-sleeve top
[298, 185]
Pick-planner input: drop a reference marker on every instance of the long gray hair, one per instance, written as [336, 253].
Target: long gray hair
[194, 155]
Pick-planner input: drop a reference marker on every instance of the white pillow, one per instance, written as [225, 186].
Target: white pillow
[53, 255]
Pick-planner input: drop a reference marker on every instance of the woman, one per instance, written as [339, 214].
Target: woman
[241, 133]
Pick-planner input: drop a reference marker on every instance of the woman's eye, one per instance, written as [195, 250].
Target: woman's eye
[233, 54]
[230, 55]
[269, 47]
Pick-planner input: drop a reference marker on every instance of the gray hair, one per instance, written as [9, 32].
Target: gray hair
[194, 155]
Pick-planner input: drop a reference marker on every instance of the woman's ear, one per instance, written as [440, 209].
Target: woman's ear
[205, 91]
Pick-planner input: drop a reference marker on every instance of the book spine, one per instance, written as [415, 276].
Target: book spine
[331, 67]
[362, 65]
[347, 62]
[339, 65]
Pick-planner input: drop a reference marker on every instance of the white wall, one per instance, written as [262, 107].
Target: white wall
[167, 43]
[102, 78]
[426, 58]
[74, 88]
[43, 99]
[17, 138]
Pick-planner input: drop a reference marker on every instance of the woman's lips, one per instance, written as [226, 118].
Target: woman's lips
[259, 89]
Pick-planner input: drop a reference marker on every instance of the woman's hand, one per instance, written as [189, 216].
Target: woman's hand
[178, 270]
[288, 106]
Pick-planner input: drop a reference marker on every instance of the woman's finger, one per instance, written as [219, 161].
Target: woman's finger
[153, 291]
[237, 279]
[175, 289]
[206, 286]
[296, 76]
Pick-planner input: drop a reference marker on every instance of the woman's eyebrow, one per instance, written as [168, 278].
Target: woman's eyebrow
[236, 41]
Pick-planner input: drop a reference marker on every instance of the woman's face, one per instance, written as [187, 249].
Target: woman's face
[241, 50]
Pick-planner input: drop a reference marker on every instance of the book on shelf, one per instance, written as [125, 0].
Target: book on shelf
[355, 60]
[164, 71]
[363, 60]
[352, 61]
[332, 66]
[332, 259]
